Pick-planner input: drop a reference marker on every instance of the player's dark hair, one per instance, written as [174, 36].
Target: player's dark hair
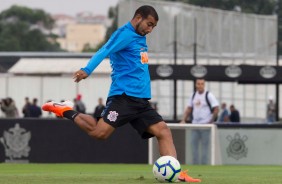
[145, 11]
[201, 78]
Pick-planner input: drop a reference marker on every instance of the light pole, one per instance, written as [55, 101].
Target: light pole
[174, 10]
[277, 8]
[175, 62]
[195, 48]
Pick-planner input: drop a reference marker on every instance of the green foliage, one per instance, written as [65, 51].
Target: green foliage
[88, 48]
[113, 14]
[20, 30]
[31, 16]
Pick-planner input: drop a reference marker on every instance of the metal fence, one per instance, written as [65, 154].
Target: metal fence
[222, 35]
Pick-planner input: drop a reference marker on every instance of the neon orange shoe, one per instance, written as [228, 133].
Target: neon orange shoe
[58, 108]
[184, 177]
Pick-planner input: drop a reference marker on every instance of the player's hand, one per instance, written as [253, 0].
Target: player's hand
[79, 75]
[182, 122]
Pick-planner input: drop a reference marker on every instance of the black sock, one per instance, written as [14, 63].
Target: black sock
[70, 114]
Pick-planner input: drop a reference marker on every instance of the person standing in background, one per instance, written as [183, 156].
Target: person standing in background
[99, 109]
[271, 111]
[202, 109]
[224, 115]
[34, 109]
[26, 108]
[9, 108]
[234, 115]
[79, 105]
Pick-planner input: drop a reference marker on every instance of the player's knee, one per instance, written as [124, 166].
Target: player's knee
[163, 131]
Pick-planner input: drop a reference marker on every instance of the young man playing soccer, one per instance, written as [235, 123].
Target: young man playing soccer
[130, 89]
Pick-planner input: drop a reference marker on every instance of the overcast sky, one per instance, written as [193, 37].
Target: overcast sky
[69, 7]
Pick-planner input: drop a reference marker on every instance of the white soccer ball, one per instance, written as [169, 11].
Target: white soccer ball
[166, 169]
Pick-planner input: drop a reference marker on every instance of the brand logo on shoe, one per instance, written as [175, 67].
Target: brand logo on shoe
[112, 116]
[58, 104]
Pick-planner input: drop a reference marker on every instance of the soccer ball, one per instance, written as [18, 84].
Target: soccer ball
[166, 169]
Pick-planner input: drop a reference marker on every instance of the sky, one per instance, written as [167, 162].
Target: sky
[69, 7]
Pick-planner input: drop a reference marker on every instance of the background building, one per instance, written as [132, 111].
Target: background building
[79, 36]
[84, 30]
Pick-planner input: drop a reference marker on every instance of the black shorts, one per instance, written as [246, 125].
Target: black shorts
[122, 109]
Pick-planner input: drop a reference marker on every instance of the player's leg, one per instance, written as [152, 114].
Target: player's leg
[100, 130]
[164, 138]
[150, 124]
[86, 122]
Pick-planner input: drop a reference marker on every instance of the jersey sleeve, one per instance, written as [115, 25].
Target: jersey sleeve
[213, 100]
[118, 41]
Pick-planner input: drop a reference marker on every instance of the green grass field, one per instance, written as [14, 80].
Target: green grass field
[131, 174]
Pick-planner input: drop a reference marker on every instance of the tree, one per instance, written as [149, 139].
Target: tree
[112, 14]
[25, 29]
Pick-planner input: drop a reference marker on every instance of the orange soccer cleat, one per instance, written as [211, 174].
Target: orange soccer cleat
[58, 108]
[184, 177]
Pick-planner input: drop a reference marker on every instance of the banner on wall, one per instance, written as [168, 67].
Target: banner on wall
[61, 141]
[244, 74]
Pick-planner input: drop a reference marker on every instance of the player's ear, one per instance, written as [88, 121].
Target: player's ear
[138, 17]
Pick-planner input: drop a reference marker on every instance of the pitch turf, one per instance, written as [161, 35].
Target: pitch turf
[131, 174]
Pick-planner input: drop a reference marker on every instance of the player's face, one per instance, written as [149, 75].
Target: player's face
[145, 26]
[200, 85]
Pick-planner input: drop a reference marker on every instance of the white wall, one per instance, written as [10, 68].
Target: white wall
[250, 100]
[55, 88]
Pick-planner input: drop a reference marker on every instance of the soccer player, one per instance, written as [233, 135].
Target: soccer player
[130, 90]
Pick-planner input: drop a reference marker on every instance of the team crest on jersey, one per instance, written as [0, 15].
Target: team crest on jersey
[144, 57]
[112, 116]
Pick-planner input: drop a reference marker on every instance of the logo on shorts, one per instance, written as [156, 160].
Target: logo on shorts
[112, 116]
